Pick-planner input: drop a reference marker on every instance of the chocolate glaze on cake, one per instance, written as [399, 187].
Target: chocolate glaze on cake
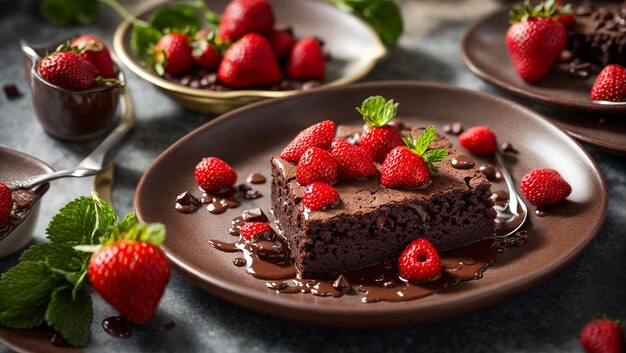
[372, 224]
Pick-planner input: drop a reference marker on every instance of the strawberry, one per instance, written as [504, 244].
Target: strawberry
[241, 17]
[252, 230]
[306, 60]
[419, 262]
[6, 204]
[410, 166]
[479, 140]
[379, 138]
[131, 276]
[95, 51]
[172, 54]
[535, 40]
[68, 70]
[249, 62]
[205, 51]
[610, 85]
[352, 161]
[544, 187]
[565, 16]
[319, 196]
[282, 42]
[602, 336]
[316, 165]
[318, 135]
[213, 175]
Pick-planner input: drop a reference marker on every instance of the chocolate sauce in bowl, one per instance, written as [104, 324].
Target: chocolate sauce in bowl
[116, 326]
[24, 200]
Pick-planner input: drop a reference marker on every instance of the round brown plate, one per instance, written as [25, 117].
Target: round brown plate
[249, 136]
[607, 133]
[484, 52]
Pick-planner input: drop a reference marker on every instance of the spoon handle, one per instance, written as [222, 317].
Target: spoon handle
[513, 196]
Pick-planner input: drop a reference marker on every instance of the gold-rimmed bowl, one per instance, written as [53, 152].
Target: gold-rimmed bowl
[353, 46]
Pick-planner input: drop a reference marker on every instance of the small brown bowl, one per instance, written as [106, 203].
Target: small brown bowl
[73, 115]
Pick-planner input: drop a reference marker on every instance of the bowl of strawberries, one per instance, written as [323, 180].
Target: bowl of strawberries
[214, 59]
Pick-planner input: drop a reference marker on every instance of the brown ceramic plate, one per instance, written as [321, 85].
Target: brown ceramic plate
[249, 136]
[607, 133]
[484, 52]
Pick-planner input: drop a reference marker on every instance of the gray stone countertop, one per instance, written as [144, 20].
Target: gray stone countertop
[545, 319]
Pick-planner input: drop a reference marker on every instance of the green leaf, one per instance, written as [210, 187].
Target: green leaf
[69, 12]
[434, 156]
[153, 233]
[25, 290]
[175, 17]
[377, 111]
[383, 16]
[70, 316]
[424, 140]
[57, 256]
[142, 38]
[82, 221]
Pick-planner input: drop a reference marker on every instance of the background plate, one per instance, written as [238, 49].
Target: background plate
[248, 137]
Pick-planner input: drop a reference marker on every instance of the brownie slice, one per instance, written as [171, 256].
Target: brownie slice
[599, 33]
[372, 224]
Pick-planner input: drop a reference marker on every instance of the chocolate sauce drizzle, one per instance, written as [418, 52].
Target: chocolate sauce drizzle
[116, 326]
[24, 201]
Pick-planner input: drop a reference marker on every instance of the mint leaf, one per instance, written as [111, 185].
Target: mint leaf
[70, 316]
[69, 12]
[82, 221]
[377, 111]
[424, 140]
[57, 256]
[434, 156]
[25, 290]
[142, 38]
[175, 17]
[383, 16]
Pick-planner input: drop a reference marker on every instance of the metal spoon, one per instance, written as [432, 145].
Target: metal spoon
[510, 217]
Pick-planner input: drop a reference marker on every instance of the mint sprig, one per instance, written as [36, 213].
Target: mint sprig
[48, 285]
[420, 148]
[377, 111]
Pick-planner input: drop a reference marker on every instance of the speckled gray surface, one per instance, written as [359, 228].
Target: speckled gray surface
[545, 319]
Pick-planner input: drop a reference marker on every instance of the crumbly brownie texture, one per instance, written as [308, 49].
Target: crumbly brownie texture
[599, 34]
[373, 224]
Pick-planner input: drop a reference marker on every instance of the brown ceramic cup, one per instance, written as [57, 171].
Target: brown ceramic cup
[73, 115]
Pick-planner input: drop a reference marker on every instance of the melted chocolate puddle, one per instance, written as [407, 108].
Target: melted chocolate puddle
[217, 203]
[24, 201]
[116, 326]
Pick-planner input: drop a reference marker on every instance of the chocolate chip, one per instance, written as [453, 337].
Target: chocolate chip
[11, 91]
[252, 194]
[342, 284]
[256, 178]
[583, 10]
[566, 56]
[244, 187]
[195, 83]
[508, 147]
[169, 325]
[254, 215]
[186, 80]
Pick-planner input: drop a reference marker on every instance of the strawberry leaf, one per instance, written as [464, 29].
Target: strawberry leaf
[175, 17]
[548, 9]
[142, 38]
[377, 111]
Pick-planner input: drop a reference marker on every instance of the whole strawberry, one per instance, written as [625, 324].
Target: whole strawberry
[610, 85]
[205, 51]
[316, 165]
[253, 230]
[535, 40]
[213, 175]
[282, 42]
[319, 135]
[419, 262]
[544, 187]
[352, 161]
[479, 140]
[306, 60]
[95, 51]
[241, 17]
[249, 62]
[410, 166]
[319, 196]
[131, 276]
[379, 138]
[602, 336]
[68, 70]
[565, 16]
[172, 54]
[6, 204]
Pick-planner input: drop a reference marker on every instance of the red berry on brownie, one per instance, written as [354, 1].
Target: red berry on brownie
[213, 175]
[479, 140]
[306, 60]
[545, 187]
[610, 85]
[249, 62]
[6, 204]
[602, 336]
[319, 135]
[252, 230]
[410, 166]
[352, 161]
[379, 138]
[172, 54]
[241, 17]
[316, 165]
[319, 196]
[419, 262]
